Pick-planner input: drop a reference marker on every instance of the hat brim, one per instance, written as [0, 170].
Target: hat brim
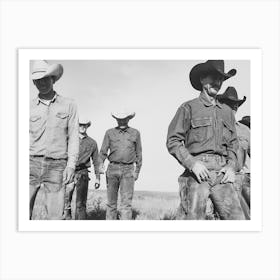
[204, 68]
[247, 123]
[239, 102]
[122, 117]
[87, 123]
[54, 70]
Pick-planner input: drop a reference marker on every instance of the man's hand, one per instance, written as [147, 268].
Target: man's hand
[101, 169]
[68, 175]
[135, 176]
[229, 175]
[200, 171]
[97, 184]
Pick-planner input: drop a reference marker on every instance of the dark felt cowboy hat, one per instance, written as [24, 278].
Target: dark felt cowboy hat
[230, 96]
[210, 66]
[246, 120]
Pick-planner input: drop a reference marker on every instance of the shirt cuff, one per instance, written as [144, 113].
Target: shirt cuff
[189, 162]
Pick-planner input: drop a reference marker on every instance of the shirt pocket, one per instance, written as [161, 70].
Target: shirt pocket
[61, 119]
[35, 123]
[200, 129]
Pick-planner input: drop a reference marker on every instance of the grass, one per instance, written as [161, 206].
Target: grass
[146, 205]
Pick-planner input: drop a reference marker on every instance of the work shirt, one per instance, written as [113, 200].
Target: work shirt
[88, 150]
[124, 145]
[201, 127]
[54, 129]
[243, 135]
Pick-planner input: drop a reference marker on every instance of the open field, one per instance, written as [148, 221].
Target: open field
[147, 205]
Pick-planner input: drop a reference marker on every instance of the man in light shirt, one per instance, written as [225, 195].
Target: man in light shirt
[54, 140]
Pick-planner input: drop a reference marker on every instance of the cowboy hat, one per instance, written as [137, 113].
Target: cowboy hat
[230, 95]
[246, 120]
[123, 115]
[85, 121]
[42, 69]
[209, 66]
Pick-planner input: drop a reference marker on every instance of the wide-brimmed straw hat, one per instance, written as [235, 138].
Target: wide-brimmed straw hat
[209, 66]
[123, 115]
[230, 95]
[84, 121]
[246, 120]
[42, 69]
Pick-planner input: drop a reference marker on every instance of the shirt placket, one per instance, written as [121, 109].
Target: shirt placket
[47, 136]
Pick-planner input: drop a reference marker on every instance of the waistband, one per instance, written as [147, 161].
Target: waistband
[44, 157]
[207, 157]
[121, 163]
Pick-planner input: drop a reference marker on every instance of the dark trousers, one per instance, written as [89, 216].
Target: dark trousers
[119, 178]
[194, 195]
[47, 174]
[80, 184]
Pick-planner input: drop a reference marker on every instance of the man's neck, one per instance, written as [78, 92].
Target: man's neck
[82, 135]
[211, 99]
[47, 96]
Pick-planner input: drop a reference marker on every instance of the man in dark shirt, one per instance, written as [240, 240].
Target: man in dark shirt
[242, 182]
[202, 137]
[88, 150]
[125, 148]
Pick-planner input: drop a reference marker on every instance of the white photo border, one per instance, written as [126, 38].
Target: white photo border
[255, 57]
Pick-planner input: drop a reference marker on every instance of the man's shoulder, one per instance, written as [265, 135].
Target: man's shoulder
[189, 103]
[134, 130]
[66, 100]
[91, 140]
[243, 127]
[110, 131]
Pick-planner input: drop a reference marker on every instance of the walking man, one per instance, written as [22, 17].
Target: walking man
[88, 150]
[54, 140]
[242, 184]
[202, 137]
[125, 157]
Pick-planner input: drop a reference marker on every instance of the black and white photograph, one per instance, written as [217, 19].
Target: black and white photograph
[140, 139]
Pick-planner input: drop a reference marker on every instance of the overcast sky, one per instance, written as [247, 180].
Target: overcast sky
[154, 90]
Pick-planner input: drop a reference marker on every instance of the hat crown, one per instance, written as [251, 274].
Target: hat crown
[231, 93]
[217, 64]
[40, 65]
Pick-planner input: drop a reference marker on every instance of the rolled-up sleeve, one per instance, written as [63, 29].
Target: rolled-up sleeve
[95, 160]
[138, 153]
[104, 148]
[176, 135]
[73, 136]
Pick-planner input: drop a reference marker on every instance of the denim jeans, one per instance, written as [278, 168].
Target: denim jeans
[194, 195]
[81, 180]
[119, 177]
[47, 173]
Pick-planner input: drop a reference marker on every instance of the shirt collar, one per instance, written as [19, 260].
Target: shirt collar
[204, 99]
[121, 130]
[46, 101]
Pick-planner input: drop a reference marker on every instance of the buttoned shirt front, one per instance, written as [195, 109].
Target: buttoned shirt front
[124, 145]
[201, 127]
[88, 150]
[54, 129]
